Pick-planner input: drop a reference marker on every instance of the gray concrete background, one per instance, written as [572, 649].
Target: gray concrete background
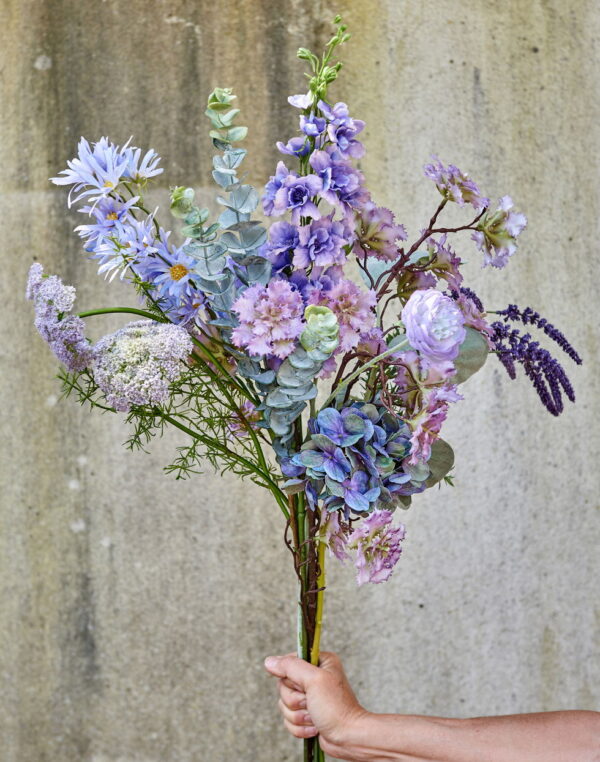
[136, 610]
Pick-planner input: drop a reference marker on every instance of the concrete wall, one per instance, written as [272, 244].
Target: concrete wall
[136, 610]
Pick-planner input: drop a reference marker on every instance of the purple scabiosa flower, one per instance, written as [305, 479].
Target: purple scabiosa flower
[342, 130]
[376, 233]
[271, 319]
[434, 325]
[455, 185]
[251, 416]
[136, 364]
[378, 547]
[109, 212]
[294, 147]
[343, 184]
[275, 183]
[296, 195]
[321, 243]
[335, 534]
[353, 308]
[426, 425]
[496, 234]
[64, 333]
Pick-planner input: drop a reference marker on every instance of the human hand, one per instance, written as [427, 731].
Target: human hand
[316, 700]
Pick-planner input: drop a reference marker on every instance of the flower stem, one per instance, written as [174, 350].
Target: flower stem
[316, 644]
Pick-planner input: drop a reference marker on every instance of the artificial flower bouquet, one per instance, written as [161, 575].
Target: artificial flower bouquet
[240, 329]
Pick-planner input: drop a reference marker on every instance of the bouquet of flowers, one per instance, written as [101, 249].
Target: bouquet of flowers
[319, 357]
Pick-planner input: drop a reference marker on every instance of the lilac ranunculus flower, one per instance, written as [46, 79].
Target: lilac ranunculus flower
[342, 130]
[434, 325]
[496, 234]
[296, 195]
[320, 243]
[455, 185]
[378, 547]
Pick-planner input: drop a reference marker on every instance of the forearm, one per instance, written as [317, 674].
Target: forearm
[547, 737]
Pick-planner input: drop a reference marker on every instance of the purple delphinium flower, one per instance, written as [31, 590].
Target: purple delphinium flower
[342, 130]
[294, 147]
[496, 234]
[279, 249]
[296, 195]
[376, 233]
[321, 243]
[302, 101]
[274, 184]
[544, 371]
[434, 325]
[136, 364]
[271, 319]
[378, 547]
[342, 184]
[312, 125]
[455, 185]
[530, 317]
[64, 333]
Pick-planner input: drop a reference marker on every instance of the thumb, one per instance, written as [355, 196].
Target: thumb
[291, 667]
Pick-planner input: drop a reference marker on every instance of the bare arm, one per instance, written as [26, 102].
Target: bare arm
[320, 700]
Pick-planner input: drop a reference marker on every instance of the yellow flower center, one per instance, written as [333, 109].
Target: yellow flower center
[178, 271]
[108, 184]
[112, 216]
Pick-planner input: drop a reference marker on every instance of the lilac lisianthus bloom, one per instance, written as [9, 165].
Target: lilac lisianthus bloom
[342, 130]
[378, 547]
[64, 333]
[136, 364]
[271, 319]
[455, 185]
[320, 243]
[496, 234]
[434, 325]
[377, 233]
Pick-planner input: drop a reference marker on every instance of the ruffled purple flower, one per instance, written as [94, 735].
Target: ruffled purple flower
[378, 547]
[321, 243]
[427, 424]
[275, 183]
[279, 249]
[271, 319]
[335, 534]
[342, 184]
[434, 325]
[312, 125]
[496, 234]
[353, 308]
[296, 196]
[136, 364]
[446, 263]
[64, 333]
[342, 130]
[455, 185]
[377, 233]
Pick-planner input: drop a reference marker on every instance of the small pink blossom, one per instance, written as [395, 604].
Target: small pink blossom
[353, 308]
[427, 424]
[378, 547]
